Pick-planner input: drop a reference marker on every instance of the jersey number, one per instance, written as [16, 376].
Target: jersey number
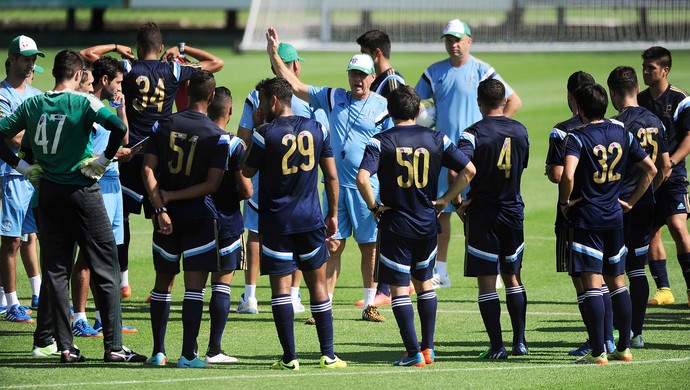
[646, 137]
[175, 166]
[304, 143]
[504, 163]
[41, 136]
[149, 96]
[606, 171]
[417, 170]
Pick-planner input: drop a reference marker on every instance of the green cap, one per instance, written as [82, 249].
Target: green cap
[39, 69]
[288, 53]
[457, 29]
[25, 46]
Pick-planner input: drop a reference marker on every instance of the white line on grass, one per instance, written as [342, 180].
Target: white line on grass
[331, 373]
[444, 311]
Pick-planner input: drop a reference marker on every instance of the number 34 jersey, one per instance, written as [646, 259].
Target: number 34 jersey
[499, 148]
[187, 145]
[287, 152]
[604, 150]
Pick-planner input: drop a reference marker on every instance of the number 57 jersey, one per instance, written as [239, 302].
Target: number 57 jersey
[287, 152]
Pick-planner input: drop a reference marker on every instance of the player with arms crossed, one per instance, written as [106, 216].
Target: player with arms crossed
[292, 230]
[493, 215]
[408, 160]
[596, 158]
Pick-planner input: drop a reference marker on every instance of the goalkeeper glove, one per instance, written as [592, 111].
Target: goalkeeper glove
[94, 167]
[32, 172]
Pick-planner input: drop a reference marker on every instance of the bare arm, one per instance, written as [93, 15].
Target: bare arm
[663, 170]
[298, 88]
[93, 53]
[565, 186]
[148, 172]
[554, 173]
[682, 151]
[363, 182]
[460, 181]
[330, 185]
[16, 141]
[513, 104]
[246, 190]
[646, 176]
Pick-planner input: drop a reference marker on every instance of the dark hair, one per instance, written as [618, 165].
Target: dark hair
[85, 76]
[623, 80]
[376, 39]
[491, 93]
[201, 85]
[403, 103]
[280, 88]
[578, 80]
[220, 103]
[67, 64]
[593, 101]
[107, 66]
[660, 54]
[149, 37]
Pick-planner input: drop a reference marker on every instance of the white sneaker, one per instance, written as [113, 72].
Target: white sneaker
[499, 283]
[221, 358]
[637, 342]
[50, 350]
[249, 306]
[297, 306]
[439, 281]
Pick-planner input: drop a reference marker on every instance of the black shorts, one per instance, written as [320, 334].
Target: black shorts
[669, 203]
[638, 231]
[491, 245]
[399, 258]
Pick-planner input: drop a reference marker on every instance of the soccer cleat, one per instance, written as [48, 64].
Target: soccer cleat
[249, 306]
[624, 355]
[97, 325]
[583, 350]
[379, 300]
[126, 292]
[27, 309]
[34, 302]
[157, 360]
[293, 365]
[610, 346]
[17, 313]
[409, 361]
[3, 309]
[125, 355]
[429, 356]
[194, 363]
[48, 350]
[82, 329]
[310, 321]
[298, 307]
[520, 349]
[663, 296]
[371, 314]
[129, 329]
[72, 356]
[329, 363]
[440, 281]
[220, 357]
[637, 342]
[589, 359]
[491, 354]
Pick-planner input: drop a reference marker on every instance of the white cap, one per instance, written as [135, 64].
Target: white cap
[457, 29]
[362, 63]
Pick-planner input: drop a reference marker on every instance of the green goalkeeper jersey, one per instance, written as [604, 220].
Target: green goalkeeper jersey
[58, 131]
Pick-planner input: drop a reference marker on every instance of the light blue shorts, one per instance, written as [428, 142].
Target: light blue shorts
[353, 216]
[112, 197]
[251, 216]
[16, 214]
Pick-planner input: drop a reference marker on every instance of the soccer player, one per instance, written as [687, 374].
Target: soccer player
[638, 223]
[149, 86]
[554, 170]
[493, 215]
[58, 131]
[452, 83]
[596, 159]
[188, 154]
[293, 234]
[354, 116]
[16, 215]
[408, 159]
[671, 209]
[252, 118]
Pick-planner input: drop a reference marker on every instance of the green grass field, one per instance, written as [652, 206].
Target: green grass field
[553, 321]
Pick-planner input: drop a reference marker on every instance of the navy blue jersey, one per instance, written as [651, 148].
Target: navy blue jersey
[386, 82]
[650, 133]
[287, 152]
[150, 87]
[227, 199]
[187, 144]
[664, 107]
[499, 148]
[408, 161]
[604, 150]
[554, 156]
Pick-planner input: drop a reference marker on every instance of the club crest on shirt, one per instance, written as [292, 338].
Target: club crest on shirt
[288, 137]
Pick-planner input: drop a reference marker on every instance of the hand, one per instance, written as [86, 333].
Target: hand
[462, 210]
[272, 41]
[440, 204]
[331, 227]
[173, 52]
[119, 100]
[32, 172]
[125, 52]
[625, 206]
[378, 211]
[258, 118]
[94, 167]
[565, 208]
[164, 223]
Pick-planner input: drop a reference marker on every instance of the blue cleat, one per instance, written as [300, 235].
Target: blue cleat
[3, 310]
[194, 363]
[583, 350]
[610, 346]
[34, 302]
[490, 354]
[157, 360]
[17, 313]
[520, 349]
[97, 325]
[82, 329]
[407, 361]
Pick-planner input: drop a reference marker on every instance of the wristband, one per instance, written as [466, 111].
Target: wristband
[562, 203]
[456, 205]
[115, 47]
[673, 164]
[375, 209]
[160, 210]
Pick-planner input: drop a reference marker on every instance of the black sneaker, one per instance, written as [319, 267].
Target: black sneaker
[125, 355]
[72, 356]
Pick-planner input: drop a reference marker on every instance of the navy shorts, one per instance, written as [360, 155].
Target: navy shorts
[133, 191]
[491, 245]
[638, 231]
[192, 240]
[400, 258]
[668, 204]
[598, 251]
[563, 237]
[285, 254]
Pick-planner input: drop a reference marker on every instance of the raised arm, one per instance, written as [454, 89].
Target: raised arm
[93, 53]
[298, 88]
[207, 61]
[513, 104]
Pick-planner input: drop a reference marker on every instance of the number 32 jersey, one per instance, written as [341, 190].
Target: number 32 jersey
[604, 150]
[287, 152]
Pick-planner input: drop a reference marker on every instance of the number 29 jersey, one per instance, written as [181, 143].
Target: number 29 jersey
[287, 152]
[604, 150]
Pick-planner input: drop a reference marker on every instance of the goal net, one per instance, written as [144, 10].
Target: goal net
[519, 25]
